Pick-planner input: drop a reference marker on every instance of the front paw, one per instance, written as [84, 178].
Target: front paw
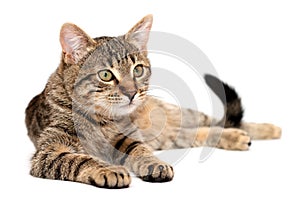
[156, 172]
[112, 177]
[234, 139]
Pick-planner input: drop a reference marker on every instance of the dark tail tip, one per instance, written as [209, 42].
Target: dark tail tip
[217, 86]
[230, 99]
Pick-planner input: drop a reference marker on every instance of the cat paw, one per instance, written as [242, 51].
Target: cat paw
[276, 134]
[114, 177]
[262, 131]
[234, 139]
[156, 172]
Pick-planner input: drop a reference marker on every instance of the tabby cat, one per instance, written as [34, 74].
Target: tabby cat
[94, 122]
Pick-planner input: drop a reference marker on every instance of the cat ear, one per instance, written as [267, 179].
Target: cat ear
[139, 34]
[75, 43]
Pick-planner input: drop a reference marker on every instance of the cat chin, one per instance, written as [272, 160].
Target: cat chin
[124, 109]
[117, 110]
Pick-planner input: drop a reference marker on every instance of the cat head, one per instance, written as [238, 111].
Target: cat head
[113, 73]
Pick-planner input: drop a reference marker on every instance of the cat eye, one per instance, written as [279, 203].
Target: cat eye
[106, 75]
[138, 71]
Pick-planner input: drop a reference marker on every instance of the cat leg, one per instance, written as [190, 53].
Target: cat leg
[227, 138]
[60, 156]
[167, 126]
[261, 131]
[138, 158]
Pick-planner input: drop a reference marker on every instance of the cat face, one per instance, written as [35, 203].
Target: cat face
[119, 80]
[113, 72]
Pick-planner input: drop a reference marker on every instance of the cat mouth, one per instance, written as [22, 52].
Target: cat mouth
[128, 105]
[124, 109]
[131, 103]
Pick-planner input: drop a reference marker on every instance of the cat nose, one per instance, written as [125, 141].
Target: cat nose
[129, 93]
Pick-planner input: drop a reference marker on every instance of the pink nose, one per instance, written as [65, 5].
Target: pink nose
[129, 93]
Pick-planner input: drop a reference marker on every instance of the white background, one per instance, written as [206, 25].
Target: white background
[254, 45]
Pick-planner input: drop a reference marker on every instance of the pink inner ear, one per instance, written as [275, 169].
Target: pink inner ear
[65, 44]
[144, 26]
[139, 34]
[74, 42]
[68, 36]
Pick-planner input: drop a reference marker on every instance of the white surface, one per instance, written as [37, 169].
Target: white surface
[254, 45]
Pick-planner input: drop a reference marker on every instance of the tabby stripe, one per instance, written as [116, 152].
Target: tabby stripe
[54, 161]
[71, 162]
[132, 58]
[42, 159]
[85, 116]
[38, 120]
[60, 104]
[121, 142]
[129, 149]
[73, 165]
[95, 91]
[77, 170]
[85, 78]
[118, 145]
[57, 172]
[80, 135]
[61, 128]
[108, 51]
[44, 167]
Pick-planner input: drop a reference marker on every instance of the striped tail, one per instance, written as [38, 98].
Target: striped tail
[229, 97]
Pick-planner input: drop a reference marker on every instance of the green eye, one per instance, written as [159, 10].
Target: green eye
[106, 75]
[138, 71]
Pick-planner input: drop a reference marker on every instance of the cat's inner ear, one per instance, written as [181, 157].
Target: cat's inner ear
[75, 43]
[139, 34]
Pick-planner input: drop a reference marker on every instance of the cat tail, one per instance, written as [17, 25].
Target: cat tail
[232, 102]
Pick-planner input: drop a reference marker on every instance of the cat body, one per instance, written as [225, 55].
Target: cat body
[94, 121]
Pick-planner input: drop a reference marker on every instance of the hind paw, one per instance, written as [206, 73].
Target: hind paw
[262, 131]
[234, 139]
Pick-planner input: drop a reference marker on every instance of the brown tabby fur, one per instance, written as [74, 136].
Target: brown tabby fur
[95, 132]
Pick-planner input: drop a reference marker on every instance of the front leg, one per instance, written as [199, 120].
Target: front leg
[60, 156]
[138, 158]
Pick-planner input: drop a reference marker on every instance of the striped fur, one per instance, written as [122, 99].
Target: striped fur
[95, 129]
